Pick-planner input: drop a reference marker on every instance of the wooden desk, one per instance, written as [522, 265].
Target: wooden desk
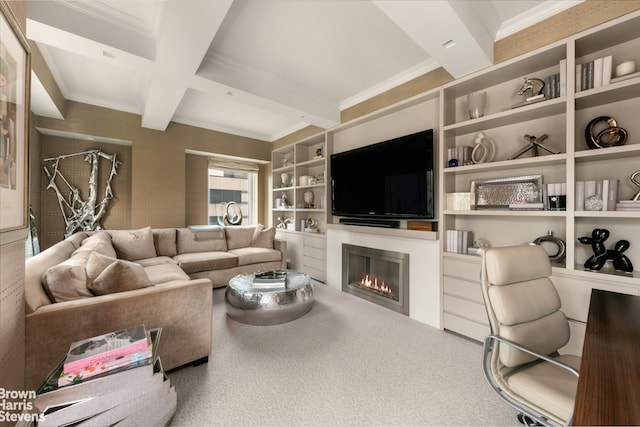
[609, 385]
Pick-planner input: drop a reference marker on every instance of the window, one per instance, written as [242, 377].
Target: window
[232, 186]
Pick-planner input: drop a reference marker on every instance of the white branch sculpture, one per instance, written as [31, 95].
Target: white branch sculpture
[78, 214]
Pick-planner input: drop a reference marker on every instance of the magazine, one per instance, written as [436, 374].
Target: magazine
[135, 359]
[114, 345]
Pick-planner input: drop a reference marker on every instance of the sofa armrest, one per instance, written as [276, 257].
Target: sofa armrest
[281, 245]
[182, 308]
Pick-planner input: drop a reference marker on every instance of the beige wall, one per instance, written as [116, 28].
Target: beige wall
[196, 189]
[158, 158]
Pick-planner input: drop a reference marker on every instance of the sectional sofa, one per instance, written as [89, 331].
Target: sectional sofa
[93, 283]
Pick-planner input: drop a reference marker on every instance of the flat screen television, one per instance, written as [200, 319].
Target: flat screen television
[392, 179]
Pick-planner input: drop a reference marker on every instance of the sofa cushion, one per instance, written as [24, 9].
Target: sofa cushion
[96, 265]
[148, 262]
[67, 281]
[132, 245]
[164, 239]
[162, 273]
[248, 256]
[119, 276]
[241, 236]
[98, 242]
[201, 241]
[263, 237]
[206, 261]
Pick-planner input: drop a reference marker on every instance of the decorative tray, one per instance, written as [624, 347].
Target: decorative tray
[499, 193]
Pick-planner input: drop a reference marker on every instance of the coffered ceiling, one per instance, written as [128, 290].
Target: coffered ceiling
[259, 68]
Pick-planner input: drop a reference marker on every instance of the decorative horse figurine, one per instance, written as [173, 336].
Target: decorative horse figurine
[533, 84]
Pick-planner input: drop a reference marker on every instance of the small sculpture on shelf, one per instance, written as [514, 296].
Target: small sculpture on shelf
[283, 222]
[534, 144]
[287, 159]
[284, 201]
[308, 199]
[534, 85]
[318, 153]
[484, 149]
[601, 254]
[562, 247]
[611, 135]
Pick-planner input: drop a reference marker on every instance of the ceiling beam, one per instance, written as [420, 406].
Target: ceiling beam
[463, 44]
[183, 42]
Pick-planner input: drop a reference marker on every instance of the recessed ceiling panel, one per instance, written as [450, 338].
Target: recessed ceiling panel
[225, 114]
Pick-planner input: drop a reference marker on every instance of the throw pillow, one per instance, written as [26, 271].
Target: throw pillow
[264, 238]
[164, 239]
[240, 236]
[132, 245]
[120, 276]
[97, 242]
[96, 265]
[67, 281]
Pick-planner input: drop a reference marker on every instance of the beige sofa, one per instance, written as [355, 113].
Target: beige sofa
[91, 284]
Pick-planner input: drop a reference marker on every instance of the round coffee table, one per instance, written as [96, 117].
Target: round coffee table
[254, 306]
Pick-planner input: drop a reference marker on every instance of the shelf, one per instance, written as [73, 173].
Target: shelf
[313, 162]
[321, 185]
[283, 169]
[609, 153]
[505, 212]
[615, 92]
[608, 214]
[535, 111]
[546, 160]
[310, 210]
[282, 189]
[630, 278]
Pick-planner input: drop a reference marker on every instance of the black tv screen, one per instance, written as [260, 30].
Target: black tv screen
[390, 179]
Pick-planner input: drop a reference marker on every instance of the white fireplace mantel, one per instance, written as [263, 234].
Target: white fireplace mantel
[424, 266]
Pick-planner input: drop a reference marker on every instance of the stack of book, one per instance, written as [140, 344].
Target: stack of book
[628, 205]
[108, 379]
[605, 190]
[459, 241]
[267, 280]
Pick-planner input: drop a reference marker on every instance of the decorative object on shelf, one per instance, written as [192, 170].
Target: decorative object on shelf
[610, 136]
[476, 103]
[484, 149]
[559, 255]
[287, 159]
[232, 214]
[318, 153]
[601, 254]
[284, 201]
[81, 214]
[459, 156]
[311, 226]
[283, 222]
[635, 181]
[481, 242]
[304, 180]
[593, 203]
[533, 84]
[284, 177]
[534, 144]
[557, 196]
[499, 193]
[308, 199]
[458, 201]
[625, 68]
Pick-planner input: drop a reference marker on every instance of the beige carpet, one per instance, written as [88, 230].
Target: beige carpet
[347, 362]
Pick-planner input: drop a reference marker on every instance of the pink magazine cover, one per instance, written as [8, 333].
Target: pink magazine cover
[105, 347]
[135, 359]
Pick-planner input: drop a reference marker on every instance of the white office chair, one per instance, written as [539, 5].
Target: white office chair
[521, 360]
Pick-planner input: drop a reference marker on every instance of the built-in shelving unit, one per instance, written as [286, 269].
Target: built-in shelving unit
[299, 170]
[564, 120]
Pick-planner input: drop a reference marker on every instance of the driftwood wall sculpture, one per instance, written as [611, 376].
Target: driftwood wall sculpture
[81, 214]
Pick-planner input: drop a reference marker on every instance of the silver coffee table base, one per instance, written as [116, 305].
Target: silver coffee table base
[268, 307]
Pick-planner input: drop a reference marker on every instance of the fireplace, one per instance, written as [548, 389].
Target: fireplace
[377, 275]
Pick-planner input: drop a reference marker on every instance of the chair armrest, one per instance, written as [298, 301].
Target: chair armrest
[546, 358]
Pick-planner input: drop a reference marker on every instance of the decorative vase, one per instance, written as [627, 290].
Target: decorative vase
[308, 197]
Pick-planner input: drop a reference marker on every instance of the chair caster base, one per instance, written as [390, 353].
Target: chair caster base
[527, 421]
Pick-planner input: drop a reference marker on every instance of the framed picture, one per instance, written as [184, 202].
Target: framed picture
[15, 70]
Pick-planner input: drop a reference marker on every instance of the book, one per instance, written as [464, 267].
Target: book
[563, 77]
[579, 195]
[137, 358]
[607, 65]
[578, 77]
[597, 72]
[101, 348]
[526, 206]
[612, 196]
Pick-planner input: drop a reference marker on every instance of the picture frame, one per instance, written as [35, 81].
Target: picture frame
[15, 72]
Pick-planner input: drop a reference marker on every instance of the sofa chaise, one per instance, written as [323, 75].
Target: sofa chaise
[94, 283]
